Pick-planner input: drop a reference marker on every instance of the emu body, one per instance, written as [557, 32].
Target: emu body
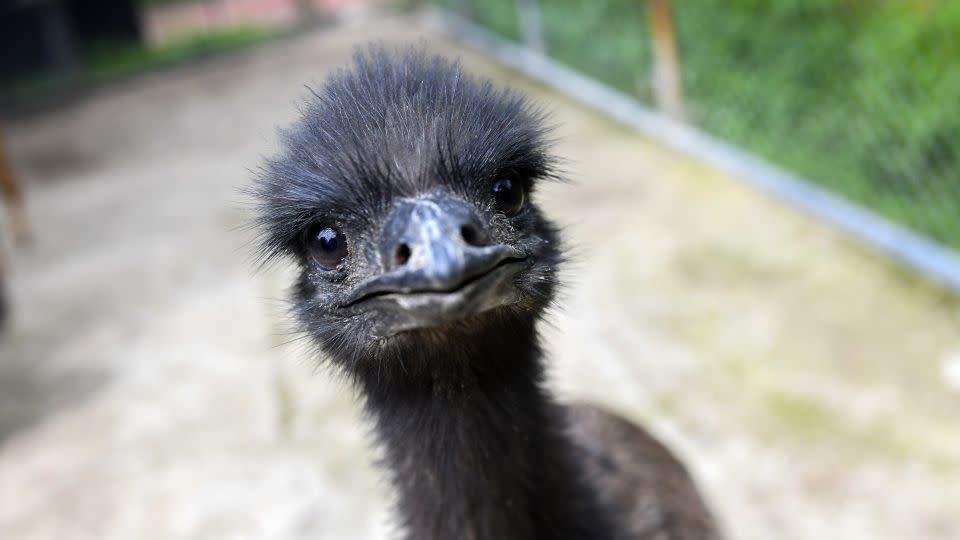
[404, 195]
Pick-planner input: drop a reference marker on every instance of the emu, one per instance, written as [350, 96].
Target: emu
[404, 195]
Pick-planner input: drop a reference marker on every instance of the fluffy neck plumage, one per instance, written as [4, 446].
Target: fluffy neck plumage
[477, 448]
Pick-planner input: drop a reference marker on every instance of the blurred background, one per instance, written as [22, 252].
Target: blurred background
[149, 383]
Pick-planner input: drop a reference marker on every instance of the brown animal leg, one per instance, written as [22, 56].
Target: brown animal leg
[12, 193]
[4, 302]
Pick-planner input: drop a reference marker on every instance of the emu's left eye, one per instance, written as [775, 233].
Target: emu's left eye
[327, 246]
[508, 195]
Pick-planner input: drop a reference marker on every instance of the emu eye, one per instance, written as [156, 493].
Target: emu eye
[327, 246]
[508, 195]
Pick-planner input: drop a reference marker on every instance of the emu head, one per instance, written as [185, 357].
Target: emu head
[404, 195]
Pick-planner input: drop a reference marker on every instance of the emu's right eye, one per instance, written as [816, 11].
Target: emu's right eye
[327, 246]
[508, 195]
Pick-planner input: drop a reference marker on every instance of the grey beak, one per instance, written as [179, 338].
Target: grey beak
[432, 244]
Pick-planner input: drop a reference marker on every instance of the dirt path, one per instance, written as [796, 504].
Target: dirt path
[145, 390]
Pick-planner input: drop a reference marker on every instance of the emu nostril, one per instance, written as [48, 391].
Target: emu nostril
[470, 235]
[402, 255]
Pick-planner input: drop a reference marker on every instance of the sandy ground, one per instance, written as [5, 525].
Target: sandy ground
[147, 389]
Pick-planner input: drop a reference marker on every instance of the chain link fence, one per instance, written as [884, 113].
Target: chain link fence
[859, 96]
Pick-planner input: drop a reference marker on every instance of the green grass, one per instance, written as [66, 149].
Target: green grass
[111, 60]
[107, 61]
[858, 97]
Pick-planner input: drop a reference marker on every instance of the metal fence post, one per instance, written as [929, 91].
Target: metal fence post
[306, 13]
[464, 8]
[531, 25]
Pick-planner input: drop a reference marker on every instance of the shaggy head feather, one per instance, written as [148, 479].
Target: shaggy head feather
[395, 126]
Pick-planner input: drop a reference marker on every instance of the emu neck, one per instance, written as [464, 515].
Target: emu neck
[477, 449]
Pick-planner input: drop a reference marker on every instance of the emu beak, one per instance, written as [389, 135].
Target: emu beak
[439, 266]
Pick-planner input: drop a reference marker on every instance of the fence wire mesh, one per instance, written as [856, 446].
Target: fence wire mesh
[859, 96]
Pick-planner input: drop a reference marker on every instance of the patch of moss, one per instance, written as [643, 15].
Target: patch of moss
[802, 416]
[814, 423]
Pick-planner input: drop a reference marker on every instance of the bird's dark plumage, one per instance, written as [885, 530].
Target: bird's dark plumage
[403, 194]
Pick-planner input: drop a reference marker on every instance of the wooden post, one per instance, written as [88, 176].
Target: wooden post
[667, 85]
[58, 37]
[531, 24]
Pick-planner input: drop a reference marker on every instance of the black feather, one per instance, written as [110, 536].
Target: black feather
[476, 446]
[394, 125]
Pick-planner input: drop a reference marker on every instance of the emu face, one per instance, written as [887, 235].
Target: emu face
[404, 193]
